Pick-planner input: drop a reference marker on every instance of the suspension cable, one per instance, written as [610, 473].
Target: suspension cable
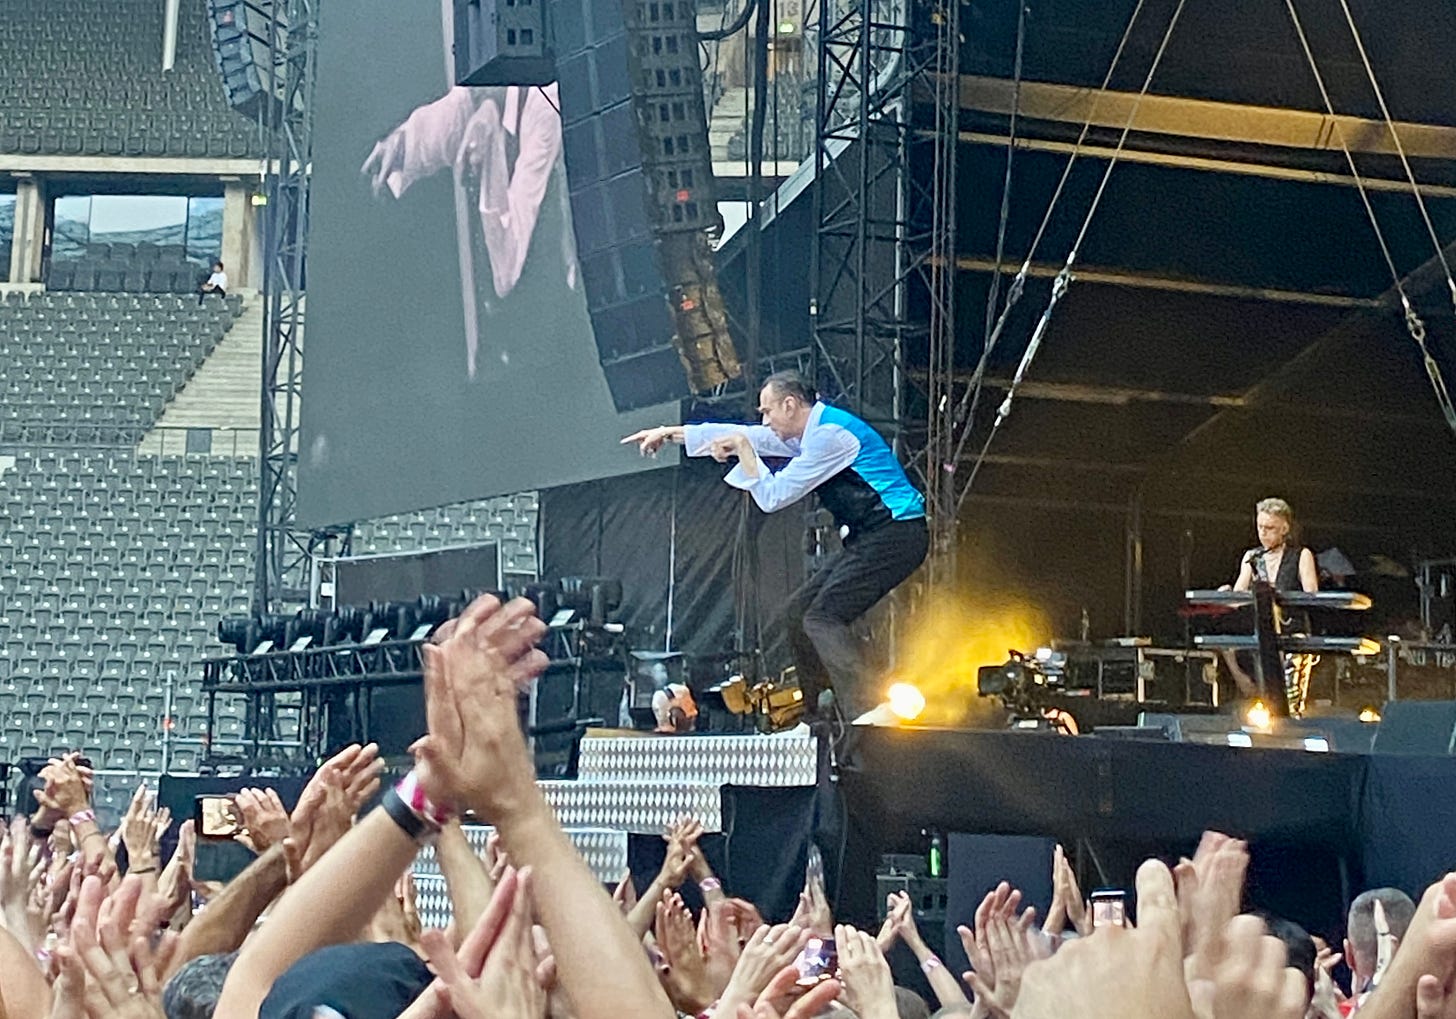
[1064, 278]
[1413, 323]
[1400, 149]
[964, 415]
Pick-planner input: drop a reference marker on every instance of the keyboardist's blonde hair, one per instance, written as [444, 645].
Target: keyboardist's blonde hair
[1278, 507]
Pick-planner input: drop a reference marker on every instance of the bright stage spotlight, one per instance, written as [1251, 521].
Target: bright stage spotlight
[1369, 715]
[905, 701]
[1257, 716]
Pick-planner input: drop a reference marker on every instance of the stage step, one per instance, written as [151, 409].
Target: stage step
[779, 761]
[639, 808]
[604, 849]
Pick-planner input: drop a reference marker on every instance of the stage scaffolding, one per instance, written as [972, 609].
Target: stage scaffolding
[887, 120]
[284, 554]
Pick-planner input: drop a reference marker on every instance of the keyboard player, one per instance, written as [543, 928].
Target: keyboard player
[1280, 560]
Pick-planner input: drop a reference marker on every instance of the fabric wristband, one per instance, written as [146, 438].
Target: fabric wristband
[82, 816]
[409, 822]
[710, 884]
[930, 964]
[414, 797]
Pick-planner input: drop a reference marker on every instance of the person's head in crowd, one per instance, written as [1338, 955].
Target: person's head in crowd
[1360, 945]
[909, 1005]
[193, 991]
[1299, 947]
[361, 981]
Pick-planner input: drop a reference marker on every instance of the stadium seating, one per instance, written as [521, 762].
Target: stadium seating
[106, 362]
[128, 268]
[80, 79]
[114, 571]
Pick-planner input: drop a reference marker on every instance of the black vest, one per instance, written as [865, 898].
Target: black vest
[1288, 578]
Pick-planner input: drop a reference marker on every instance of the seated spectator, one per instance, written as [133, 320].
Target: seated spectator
[214, 284]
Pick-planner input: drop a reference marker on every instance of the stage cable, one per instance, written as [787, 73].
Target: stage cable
[964, 417]
[1414, 325]
[972, 398]
[1400, 150]
[1064, 278]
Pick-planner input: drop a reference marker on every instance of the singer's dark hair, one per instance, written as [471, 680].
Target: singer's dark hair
[791, 383]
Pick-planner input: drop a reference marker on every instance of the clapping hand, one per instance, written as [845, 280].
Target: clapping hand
[471, 681]
[1249, 977]
[265, 819]
[869, 989]
[1120, 972]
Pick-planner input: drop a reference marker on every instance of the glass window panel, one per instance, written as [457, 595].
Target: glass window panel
[7, 233]
[136, 219]
[72, 230]
[204, 230]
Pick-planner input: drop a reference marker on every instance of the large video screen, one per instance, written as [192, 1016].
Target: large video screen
[448, 352]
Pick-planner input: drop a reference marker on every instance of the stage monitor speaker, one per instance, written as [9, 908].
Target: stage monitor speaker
[643, 199]
[240, 32]
[976, 864]
[1416, 727]
[502, 42]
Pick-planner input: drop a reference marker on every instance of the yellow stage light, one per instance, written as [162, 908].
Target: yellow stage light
[1369, 715]
[1257, 715]
[905, 701]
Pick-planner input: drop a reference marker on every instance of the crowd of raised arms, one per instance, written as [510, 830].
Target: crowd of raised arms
[322, 923]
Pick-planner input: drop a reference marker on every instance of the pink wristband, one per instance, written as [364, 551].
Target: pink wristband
[414, 797]
[81, 817]
[710, 884]
[931, 964]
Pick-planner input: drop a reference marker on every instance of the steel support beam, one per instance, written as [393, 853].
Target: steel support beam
[1232, 123]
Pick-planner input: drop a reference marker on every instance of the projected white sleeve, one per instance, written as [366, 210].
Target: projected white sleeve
[698, 439]
[428, 140]
[511, 204]
[826, 452]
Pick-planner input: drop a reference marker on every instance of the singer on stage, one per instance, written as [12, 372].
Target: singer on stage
[1289, 566]
[859, 480]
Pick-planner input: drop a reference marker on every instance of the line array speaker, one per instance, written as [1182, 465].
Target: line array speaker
[640, 176]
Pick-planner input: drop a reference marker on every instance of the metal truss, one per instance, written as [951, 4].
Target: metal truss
[884, 265]
[285, 121]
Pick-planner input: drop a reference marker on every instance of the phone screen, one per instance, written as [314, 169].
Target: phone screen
[1109, 908]
[818, 961]
[217, 817]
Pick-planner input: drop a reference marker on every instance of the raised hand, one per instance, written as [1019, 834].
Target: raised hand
[471, 680]
[139, 830]
[1211, 889]
[767, 952]
[1011, 947]
[265, 819]
[21, 869]
[784, 999]
[1250, 977]
[864, 975]
[684, 974]
[67, 788]
[1120, 972]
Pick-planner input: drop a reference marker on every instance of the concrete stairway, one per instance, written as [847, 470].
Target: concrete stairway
[223, 395]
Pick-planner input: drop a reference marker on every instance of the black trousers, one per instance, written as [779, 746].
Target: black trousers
[825, 650]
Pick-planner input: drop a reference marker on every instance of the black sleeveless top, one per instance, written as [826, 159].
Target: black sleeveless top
[1288, 577]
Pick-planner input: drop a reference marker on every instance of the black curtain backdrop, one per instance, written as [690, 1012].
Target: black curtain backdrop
[670, 536]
